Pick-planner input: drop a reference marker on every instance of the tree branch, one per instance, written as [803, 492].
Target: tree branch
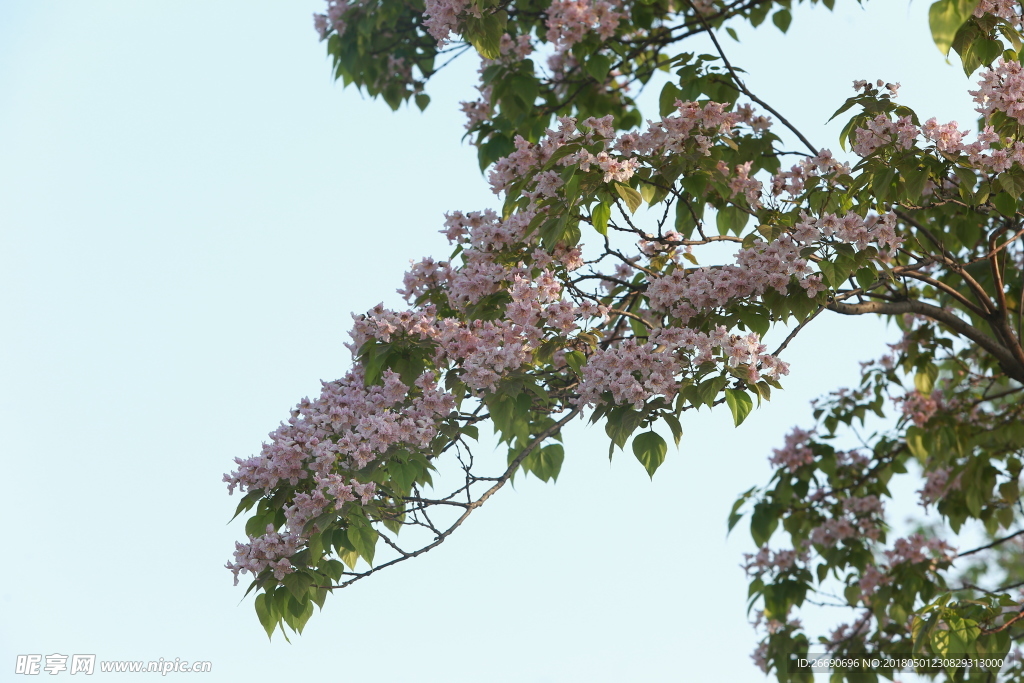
[470, 507]
[1002, 354]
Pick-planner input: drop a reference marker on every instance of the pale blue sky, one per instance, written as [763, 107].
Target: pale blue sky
[189, 211]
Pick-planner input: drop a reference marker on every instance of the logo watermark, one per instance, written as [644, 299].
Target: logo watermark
[34, 665]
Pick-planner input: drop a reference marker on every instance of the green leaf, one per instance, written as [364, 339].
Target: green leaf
[740, 404]
[916, 444]
[914, 180]
[599, 217]
[881, 184]
[924, 380]
[247, 502]
[575, 360]
[363, 538]
[866, 277]
[941, 642]
[1012, 182]
[630, 196]
[945, 18]
[647, 192]
[298, 584]
[846, 106]
[735, 515]
[650, 449]
[763, 522]
[621, 423]
[333, 569]
[1004, 203]
[547, 462]
[782, 19]
[667, 101]
[982, 52]
[598, 66]
[828, 272]
[673, 424]
[422, 100]
[731, 219]
[484, 33]
[263, 612]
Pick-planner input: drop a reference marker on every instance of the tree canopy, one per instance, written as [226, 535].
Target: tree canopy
[569, 302]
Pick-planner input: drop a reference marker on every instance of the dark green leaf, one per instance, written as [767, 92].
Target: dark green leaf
[731, 219]
[598, 66]
[782, 19]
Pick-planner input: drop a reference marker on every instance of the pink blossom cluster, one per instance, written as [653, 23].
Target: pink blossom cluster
[742, 183]
[271, 550]
[529, 157]
[766, 560]
[893, 88]
[683, 293]
[748, 115]
[1001, 89]
[865, 506]
[692, 128]
[882, 131]
[832, 531]
[845, 632]
[486, 240]
[735, 349]
[796, 452]
[861, 516]
[424, 276]
[792, 181]
[332, 20]
[851, 229]
[911, 550]
[902, 132]
[1004, 9]
[855, 460]
[936, 485]
[333, 491]
[870, 579]
[663, 243]
[623, 273]
[485, 350]
[442, 18]
[760, 656]
[479, 110]
[920, 408]
[515, 49]
[347, 427]
[569, 20]
[632, 372]
[488, 350]
[675, 133]
[561, 63]
[619, 170]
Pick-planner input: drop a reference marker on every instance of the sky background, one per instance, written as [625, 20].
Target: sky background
[190, 209]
